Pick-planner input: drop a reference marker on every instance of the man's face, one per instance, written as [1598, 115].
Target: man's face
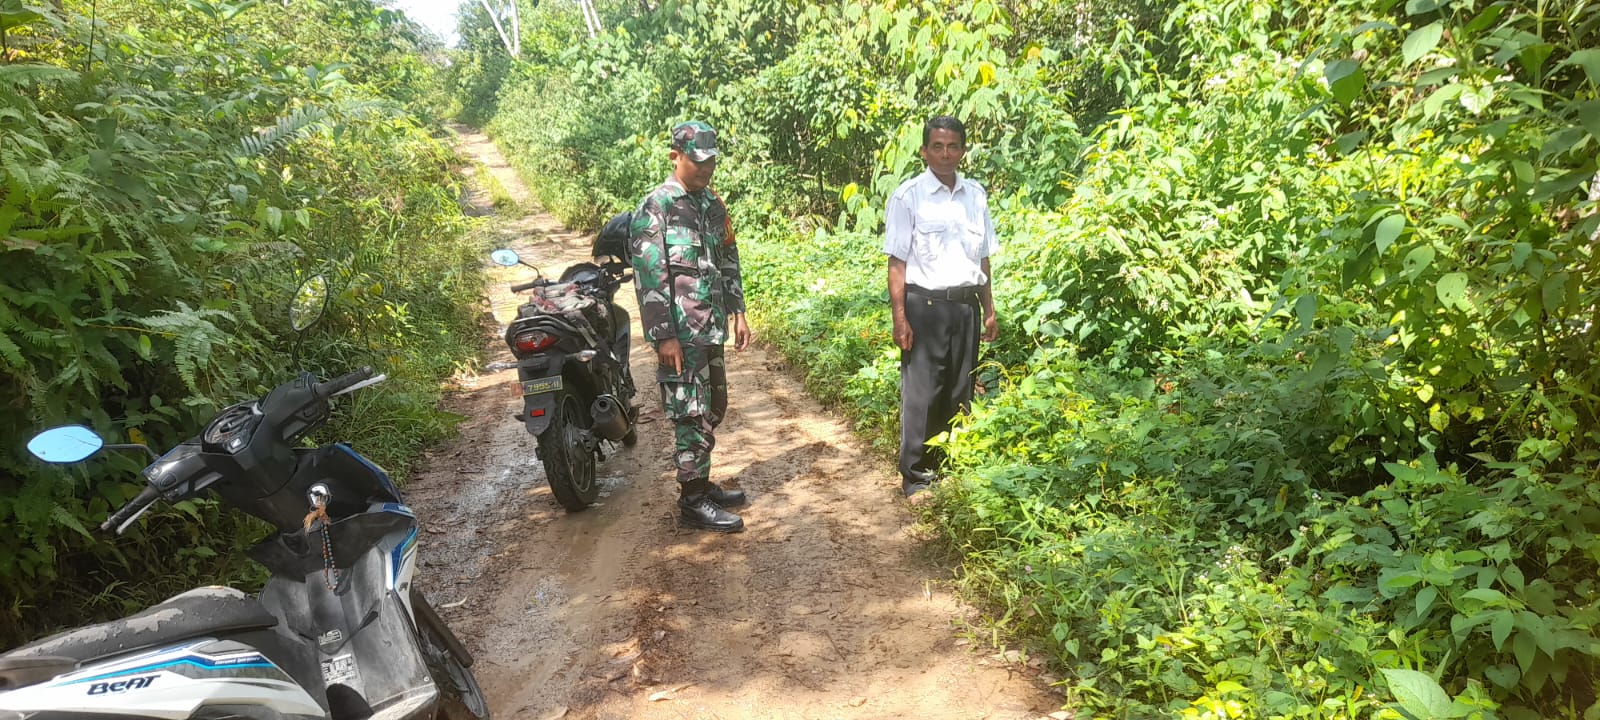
[694, 176]
[943, 151]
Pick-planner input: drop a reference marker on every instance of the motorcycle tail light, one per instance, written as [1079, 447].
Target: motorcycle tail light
[532, 341]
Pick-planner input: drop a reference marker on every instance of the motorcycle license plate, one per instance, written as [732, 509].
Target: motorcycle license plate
[541, 386]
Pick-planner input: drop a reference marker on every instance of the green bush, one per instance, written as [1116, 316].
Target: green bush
[1292, 413]
[162, 194]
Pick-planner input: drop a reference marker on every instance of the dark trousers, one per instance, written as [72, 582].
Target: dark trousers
[935, 378]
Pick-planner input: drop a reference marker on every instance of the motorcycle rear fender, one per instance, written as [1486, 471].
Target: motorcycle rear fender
[537, 409]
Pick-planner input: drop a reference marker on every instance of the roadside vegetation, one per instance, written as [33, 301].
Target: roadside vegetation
[169, 173]
[1294, 408]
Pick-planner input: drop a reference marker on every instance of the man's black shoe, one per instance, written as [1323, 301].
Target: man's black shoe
[912, 488]
[725, 498]
[700, 513]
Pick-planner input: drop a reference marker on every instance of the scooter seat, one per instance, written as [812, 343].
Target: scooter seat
[16, 672]
[196, 613]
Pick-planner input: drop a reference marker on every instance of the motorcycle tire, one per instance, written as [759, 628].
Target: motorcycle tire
[460, 698]
[568, 462]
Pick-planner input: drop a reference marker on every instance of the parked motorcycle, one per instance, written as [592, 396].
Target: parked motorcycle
[338, 631]
[571, 343]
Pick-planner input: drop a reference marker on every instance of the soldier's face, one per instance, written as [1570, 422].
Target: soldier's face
[943, 151]
[695, 176]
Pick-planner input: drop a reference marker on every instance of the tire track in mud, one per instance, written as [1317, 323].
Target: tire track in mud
[824, 607]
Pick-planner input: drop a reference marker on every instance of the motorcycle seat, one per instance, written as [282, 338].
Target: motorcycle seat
[197, 613]
[16, 672]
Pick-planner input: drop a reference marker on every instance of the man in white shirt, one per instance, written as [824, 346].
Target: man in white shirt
[938, 236]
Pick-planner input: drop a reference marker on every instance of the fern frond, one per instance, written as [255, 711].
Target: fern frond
[11, 353]
[65, 518]
[40, 399]
[27, 142]
[366, 109]
[71, 374]
[108, 368]
[42, 340]
[298, 124]
[54, 302]
[188, 352]
[194, 334]
[111, 267]
[184, 318]
[156, 250]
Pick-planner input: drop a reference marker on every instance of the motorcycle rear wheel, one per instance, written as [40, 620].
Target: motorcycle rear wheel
[568, 461]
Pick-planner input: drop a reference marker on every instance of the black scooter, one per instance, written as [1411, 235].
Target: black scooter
[571, 343]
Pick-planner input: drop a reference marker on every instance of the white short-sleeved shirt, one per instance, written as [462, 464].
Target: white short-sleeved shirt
[943, 235]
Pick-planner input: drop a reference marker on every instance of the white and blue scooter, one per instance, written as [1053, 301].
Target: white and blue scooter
[339, 631]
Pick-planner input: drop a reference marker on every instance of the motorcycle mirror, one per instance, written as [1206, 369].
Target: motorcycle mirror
[309, 302]
[65, 444]
[509, 257]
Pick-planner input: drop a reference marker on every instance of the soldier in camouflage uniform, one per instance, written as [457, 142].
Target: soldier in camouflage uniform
[686, 271]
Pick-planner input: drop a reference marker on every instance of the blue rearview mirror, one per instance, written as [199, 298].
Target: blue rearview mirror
[65, 444]
[505, 257]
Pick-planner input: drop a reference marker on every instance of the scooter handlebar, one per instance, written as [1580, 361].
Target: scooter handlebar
[332, 387]
[131, 510]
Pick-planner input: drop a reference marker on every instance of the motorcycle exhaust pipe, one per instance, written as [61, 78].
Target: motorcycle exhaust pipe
[609, 420]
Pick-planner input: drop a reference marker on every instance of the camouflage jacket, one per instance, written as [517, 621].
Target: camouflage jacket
[685, 266]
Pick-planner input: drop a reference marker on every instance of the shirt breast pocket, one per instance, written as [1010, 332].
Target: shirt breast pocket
[972, 240]
[683, 251]
[929, 239]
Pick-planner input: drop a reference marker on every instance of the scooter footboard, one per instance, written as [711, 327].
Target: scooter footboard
[367, 652]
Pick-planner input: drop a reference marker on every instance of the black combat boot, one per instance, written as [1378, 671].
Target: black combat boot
[725, 498]
[697, 510]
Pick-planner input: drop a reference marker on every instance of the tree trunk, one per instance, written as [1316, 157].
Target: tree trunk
[513, 43]
[590, 20]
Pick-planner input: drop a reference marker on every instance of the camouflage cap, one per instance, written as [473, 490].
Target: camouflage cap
[695, 139]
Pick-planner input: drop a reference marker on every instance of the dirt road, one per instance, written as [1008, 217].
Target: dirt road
[823, 608]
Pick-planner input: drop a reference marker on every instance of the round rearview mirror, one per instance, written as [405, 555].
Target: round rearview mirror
[65, 444]
[309, 302]
[505, 257]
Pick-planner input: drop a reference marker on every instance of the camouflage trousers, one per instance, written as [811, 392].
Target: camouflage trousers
[695, 401]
